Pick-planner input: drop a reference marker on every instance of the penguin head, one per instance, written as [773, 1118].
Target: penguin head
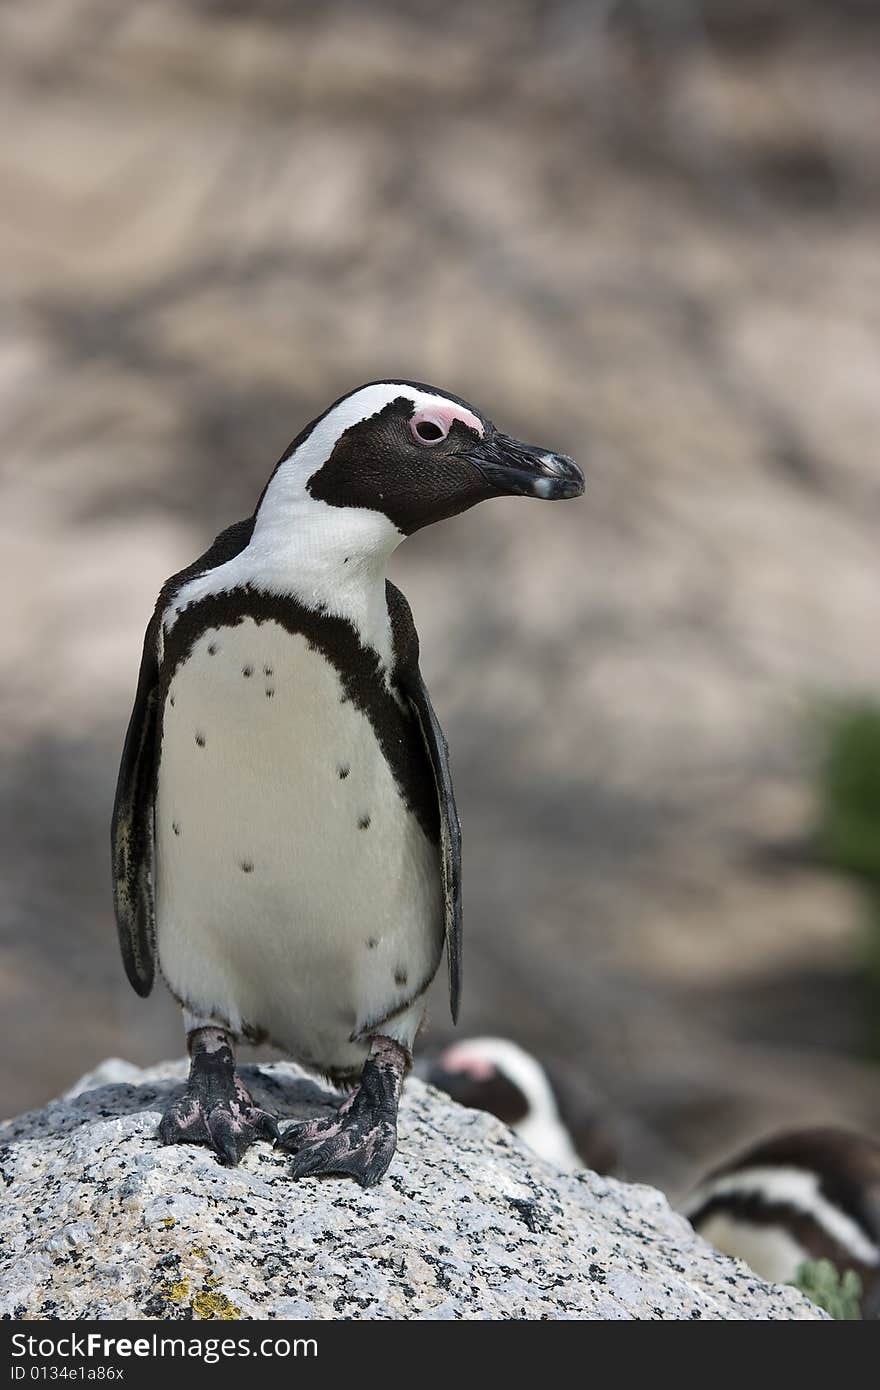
[474, 1074]
[499, 1076]
[414, 455]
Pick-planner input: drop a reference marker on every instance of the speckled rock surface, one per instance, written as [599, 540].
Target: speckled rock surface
[98, 1221]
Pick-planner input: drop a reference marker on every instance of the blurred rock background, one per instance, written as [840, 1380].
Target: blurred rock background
[642, 232]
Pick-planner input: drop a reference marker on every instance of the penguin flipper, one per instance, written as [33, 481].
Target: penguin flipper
[412, 686]
[133, 829]
[450, 831]
[132, 832]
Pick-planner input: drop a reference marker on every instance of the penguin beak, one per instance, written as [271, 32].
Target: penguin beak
[525, 470]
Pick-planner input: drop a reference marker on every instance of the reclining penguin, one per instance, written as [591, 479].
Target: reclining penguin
[799, 1196]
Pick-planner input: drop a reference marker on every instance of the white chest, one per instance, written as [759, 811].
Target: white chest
[296, 893]
[770, 1251]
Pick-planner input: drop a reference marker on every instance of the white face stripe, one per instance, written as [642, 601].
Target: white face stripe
[794, 1187]
[542, 1128]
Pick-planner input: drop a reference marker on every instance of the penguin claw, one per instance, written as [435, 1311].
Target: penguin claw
[355, 1150]
[227, 1129]
[297, 1136]
[228, 1123]
[360, 1139]
[232, 1136]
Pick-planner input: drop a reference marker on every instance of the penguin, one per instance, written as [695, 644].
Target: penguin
[802, 1195]
[285, 843]
[499, 1076]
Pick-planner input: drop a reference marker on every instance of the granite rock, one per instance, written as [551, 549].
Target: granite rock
[99, 1221]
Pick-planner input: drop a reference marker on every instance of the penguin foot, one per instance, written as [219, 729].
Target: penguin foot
[359, 1140]
[216, 1108]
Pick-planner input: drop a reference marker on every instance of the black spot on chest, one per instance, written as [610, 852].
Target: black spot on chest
[360, 672]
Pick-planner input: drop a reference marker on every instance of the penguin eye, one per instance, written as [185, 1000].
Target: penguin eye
[426, 429]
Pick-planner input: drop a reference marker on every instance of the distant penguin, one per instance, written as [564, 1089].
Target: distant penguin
[286, 848]
[805, 1195]
[499, 1076]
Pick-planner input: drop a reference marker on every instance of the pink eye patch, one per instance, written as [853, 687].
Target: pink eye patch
[431, 424]
[460, 1061]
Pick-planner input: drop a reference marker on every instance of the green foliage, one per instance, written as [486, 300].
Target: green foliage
[850, 790]
[850, 826]
[840, 1295]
